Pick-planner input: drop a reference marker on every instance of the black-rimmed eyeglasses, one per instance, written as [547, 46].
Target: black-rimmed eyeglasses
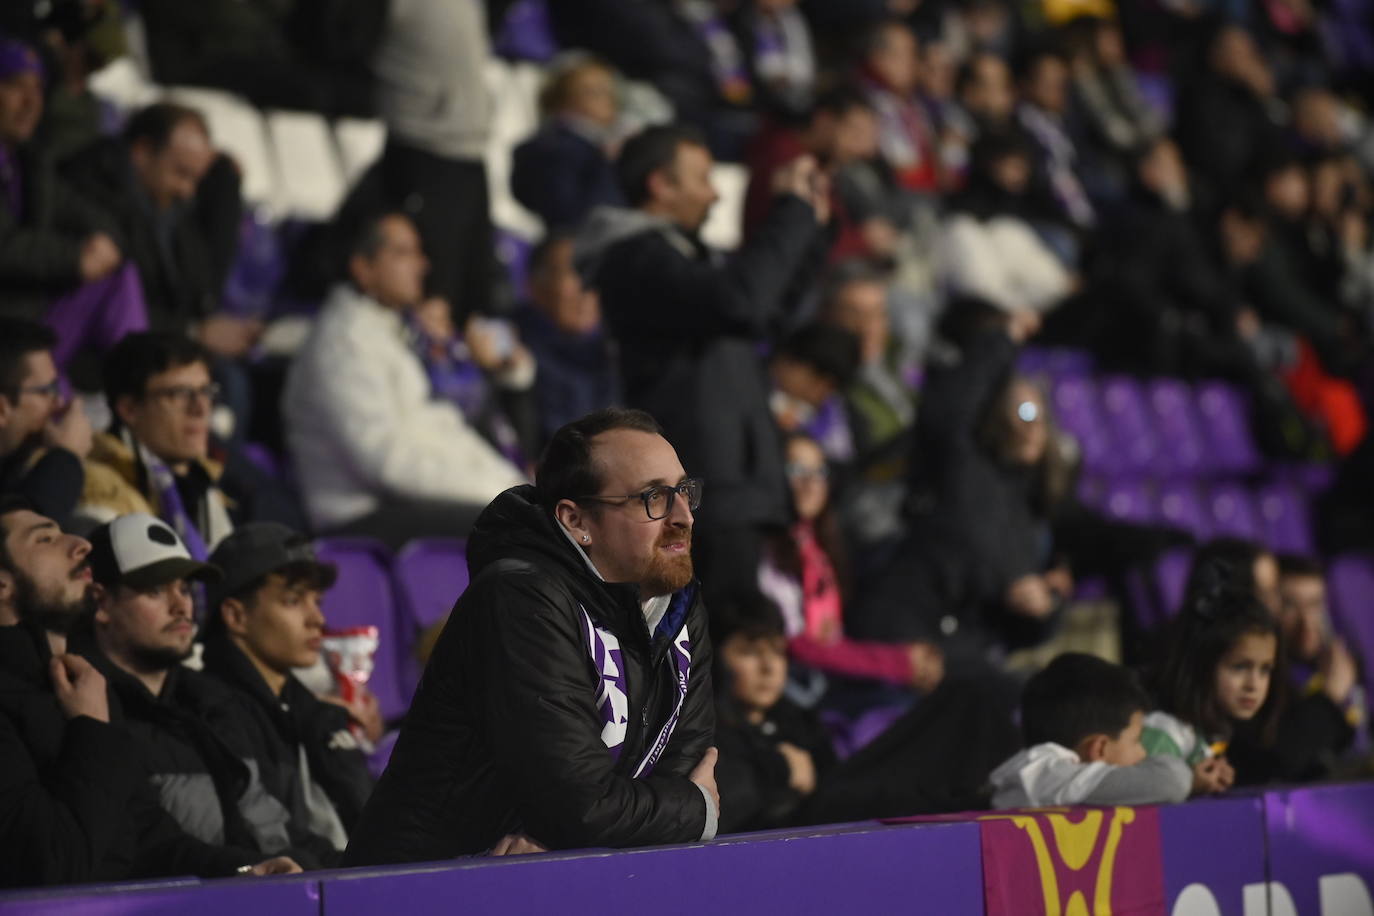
[658, 501]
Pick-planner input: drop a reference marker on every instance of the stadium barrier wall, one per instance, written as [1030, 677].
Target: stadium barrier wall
[1289, 852]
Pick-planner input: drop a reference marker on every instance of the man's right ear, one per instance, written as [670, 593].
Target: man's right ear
[573, 518]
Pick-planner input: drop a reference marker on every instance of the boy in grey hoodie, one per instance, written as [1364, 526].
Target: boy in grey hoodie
[1082, 718]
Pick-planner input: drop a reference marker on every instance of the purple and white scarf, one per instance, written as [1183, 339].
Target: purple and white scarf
[612, 698]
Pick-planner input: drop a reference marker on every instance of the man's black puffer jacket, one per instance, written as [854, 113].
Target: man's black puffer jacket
[505, 735]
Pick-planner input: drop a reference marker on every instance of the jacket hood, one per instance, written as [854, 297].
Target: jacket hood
[517, 526]
[604, 227]
[1008, 775]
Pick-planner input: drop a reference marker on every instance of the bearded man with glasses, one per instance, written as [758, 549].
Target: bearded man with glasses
[155, 458]
[568, 701]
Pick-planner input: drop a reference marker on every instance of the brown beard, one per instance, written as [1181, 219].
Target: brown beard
[666, 574]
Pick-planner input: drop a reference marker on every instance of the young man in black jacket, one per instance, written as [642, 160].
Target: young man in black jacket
[74, 802]
[265, 621]
[568, 701]
[191, 728]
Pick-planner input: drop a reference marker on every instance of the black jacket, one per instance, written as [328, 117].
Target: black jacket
[50, 478]
[75, 805]
[40, 248]
[196, 750]
[753, 775]
[505, 732]
[183, 269]
[689, 329]
[279, 726]
[561, 176]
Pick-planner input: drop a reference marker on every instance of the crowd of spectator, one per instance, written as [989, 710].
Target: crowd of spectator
[889, 517]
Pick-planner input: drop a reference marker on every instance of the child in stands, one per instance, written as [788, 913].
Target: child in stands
[1223, 668]
[772, 752]
[1082, 718]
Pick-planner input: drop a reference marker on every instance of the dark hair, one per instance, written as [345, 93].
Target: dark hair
[968, 70]
[1218, 613]
[1233, 558]
[1079, 695]
[830, 351]
[19, 338]
[154, 124]
[566, 469]
[846, 274]
[840, 101]
[539, 255]
[648, 151]
[875, 36]
[10, 503]
[143, 354]
[1294, 564]
[368, 237]
[750, 614]
[311, 574]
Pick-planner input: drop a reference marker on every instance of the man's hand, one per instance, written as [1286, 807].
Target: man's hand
[229, 335]
[281, 865]
[79, 687]
[801, 767]
[363, 709]
[69, 428]
[1022, 325]
[99, 257]
[1030, 596]
[1210, 776]
[517, 844]
[927, 666]
[704, 775]
[804, 178]
[1338, 672]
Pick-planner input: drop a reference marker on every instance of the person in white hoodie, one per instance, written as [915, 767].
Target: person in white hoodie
[376, 454]
[1082, 718]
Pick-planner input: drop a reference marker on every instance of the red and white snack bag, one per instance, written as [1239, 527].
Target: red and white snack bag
[349, 653]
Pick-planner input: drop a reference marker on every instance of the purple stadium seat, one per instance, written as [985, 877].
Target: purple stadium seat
[1181, 506]
[514, 253]
[1351, 581]
[1155, 592]
[525, 33]
[1286, 518]
[1128, 501]
[257, 270]
[1226, 422]
[361, 597]
[1078, 411]
[1233, 512]
[1132, 426]
[1171, 578]
[1181, 439]
[430, 575]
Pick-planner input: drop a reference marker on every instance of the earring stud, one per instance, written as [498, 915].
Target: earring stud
[586, 540]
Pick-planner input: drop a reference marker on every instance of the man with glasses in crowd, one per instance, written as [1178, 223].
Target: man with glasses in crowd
[43, 437]
[568, 701]
[155, 457]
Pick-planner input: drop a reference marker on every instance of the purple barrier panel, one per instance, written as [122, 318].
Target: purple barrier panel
[1321, 850]
[1213, 850]
[864, 868]
[287, 896]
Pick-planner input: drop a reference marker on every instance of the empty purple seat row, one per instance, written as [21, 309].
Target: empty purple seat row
[1163, 427]
[401, 595]
[1275, 513]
